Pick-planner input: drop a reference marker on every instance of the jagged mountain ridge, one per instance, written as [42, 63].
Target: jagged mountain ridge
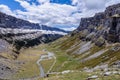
[109, 20]
[7, 21]
[17, 34]
[22, 33]
[94, 44]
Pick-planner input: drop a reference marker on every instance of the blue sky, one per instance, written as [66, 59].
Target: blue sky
[15, 5]
[12, 4]
[65, 14]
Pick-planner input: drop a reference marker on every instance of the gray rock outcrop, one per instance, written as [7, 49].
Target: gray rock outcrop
[109, 20]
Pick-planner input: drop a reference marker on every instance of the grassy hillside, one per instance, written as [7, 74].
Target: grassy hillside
[27, 63]
[76, 53]
[82, 76]
[72, 52]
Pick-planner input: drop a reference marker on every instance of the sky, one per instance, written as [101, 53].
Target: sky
[64, 14]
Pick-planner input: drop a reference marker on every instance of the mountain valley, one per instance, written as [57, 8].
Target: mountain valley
[91, 52]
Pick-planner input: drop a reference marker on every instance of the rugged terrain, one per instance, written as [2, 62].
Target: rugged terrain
[92, 51]
[17, 34]
[94, 45]
[96, 42]
[20, 32]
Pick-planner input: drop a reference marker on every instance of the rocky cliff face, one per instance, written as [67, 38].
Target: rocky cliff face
[7, 21]
[97, 20]
[95, 44]
[109, 22]
[27, 37]
[21, 33]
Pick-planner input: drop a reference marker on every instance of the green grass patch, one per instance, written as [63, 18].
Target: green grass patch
[29, 69]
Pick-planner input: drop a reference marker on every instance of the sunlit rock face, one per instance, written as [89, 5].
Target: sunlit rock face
[91, 21]
[109, 21]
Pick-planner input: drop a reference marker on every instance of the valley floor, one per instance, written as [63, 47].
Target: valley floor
[29, 70]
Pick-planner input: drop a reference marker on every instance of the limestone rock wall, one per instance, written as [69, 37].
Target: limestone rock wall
[109, 20]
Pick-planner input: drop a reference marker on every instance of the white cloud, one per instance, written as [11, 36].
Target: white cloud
[111, 2]
[75, 2]
[90, 7]
[58, 14]
[69, 28]
[48, 13]
[95, 4]
[6, 9]
[23, 3]
[43, 1]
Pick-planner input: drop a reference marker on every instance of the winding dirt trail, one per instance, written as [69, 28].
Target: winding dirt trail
[47, 56]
